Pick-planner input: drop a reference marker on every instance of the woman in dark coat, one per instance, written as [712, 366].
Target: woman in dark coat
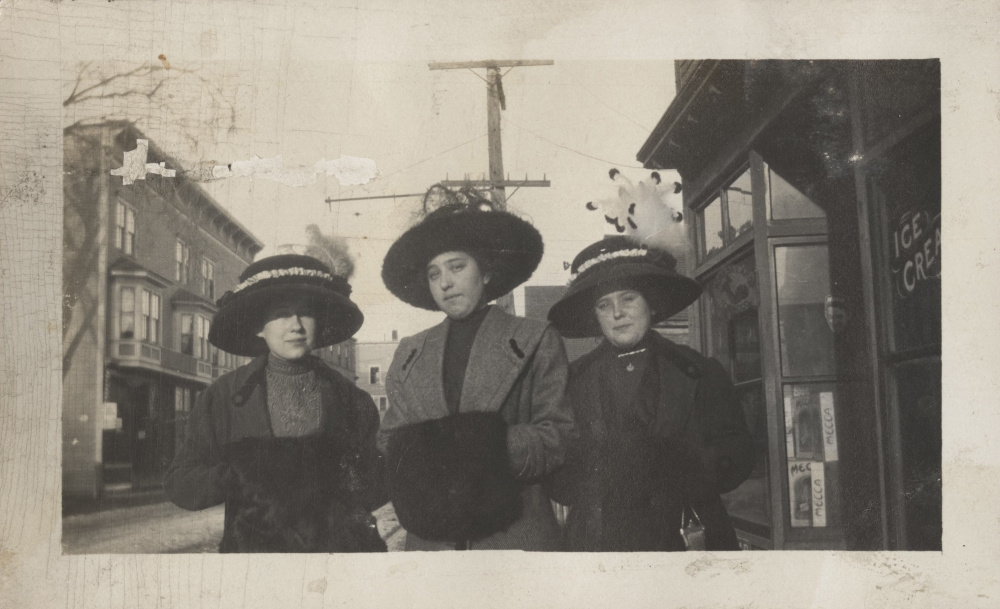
[659, 425]
[476, 416]
[286, 442]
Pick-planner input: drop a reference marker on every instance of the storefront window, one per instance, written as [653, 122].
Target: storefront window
[787, 202]
[732, 325]
[732, 297]
[803, 280]
[906, 183]
[740, 202]
[710, 222]
[918, 391]
[811, 450]
[728, 216]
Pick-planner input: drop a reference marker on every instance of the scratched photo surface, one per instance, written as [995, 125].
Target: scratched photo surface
[802, 194]
[755, 169]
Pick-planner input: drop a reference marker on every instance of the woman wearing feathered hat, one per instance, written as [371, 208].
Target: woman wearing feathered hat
[476, 415]
[286, 442]
[659, 425]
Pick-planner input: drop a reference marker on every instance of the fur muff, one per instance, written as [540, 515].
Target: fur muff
[451, 479]
[295, 495]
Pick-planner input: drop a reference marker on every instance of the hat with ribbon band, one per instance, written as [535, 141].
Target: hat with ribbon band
[620, 263]
[243, 310]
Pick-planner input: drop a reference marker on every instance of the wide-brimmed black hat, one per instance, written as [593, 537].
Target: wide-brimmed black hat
[241, 311]
[619, 263]
[508, 246]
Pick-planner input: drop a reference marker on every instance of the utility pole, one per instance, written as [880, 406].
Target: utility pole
[495, 102]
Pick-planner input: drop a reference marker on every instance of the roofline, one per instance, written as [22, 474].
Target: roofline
[677, 109]
[129, 126]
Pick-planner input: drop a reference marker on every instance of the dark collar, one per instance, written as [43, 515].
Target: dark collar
[474, 318]
[676, 354]
[664, 348]
[255, 373]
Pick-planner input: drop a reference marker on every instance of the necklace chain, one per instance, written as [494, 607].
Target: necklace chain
[632, 352]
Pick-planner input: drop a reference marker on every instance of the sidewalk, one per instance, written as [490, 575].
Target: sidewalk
[73, 506]
[163, 528]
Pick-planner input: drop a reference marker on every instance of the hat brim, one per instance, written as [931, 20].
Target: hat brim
[235, 326]
[666, 292]
[510, 246]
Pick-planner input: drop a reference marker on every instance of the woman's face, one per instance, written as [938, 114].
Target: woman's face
[624, 316]
[290, 329]
[456, 283]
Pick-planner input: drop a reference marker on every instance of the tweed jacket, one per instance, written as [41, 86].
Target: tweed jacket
[233, 411]
[517, 368]
[697, 446]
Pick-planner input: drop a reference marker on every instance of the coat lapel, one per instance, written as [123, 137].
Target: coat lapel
[677, 390]
[499, 353]
[422, 380]
[250, 416]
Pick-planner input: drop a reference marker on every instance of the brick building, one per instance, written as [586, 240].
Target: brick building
[143, 265]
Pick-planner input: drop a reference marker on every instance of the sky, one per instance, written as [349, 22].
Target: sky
[318, 82]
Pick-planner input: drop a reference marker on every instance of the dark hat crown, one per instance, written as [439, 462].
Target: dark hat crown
[464, 221]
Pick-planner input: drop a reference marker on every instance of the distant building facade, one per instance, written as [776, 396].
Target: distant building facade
[341, 357]
[143, 265]
[373, 359]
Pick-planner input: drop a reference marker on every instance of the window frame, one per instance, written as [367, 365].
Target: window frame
[192, 334]
[125, 228]
[146, 314]
[374, 375]
[122, 312]
[704, 259]
[182, 262]
[207, 277]
[206, 347]
[148, 317]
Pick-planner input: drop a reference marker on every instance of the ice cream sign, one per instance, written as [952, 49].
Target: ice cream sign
[915, 251]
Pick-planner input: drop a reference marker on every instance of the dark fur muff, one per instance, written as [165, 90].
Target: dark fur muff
[295, 495]
[451, 478]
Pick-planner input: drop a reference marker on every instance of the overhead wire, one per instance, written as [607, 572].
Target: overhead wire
[421, 162]
[605, 104]
[573, 150]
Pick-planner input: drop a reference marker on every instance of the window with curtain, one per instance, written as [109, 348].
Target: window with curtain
[127, 313]
[187, 335]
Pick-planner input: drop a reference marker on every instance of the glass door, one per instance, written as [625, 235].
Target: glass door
[806, 386]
